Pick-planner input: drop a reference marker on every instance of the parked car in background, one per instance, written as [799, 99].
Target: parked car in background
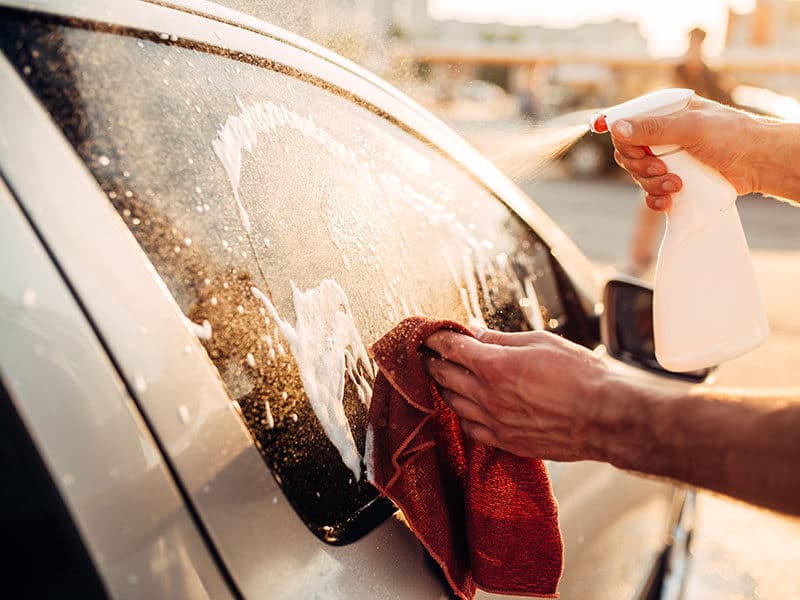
[204, 220]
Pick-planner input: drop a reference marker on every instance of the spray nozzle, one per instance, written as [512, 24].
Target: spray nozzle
[655, 104]
[598, 123]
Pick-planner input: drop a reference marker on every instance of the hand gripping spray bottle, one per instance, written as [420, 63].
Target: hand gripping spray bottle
[707, 306]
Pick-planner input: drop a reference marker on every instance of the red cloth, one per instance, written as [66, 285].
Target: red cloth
[486, 516]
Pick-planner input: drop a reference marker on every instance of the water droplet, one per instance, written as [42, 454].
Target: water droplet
[191, 161]
[214, 301]
[251, 360]
[128, 194]
[274, 499]
[135, 221]
[139, 383]
[104, 160]
[26, 69]
[112, 194]
[207, 281]
[187, 241]
[163, 36]
[294, 417]
[183, 414]
[173, 38]
[187, 349]
[29, 298]
[240, 309]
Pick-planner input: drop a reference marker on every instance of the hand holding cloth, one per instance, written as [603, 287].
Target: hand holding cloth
[488, 517]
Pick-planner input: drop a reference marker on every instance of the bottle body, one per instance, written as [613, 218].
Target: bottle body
[707, 306]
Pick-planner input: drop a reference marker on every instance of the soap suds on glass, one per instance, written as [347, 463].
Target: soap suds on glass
[327, 347]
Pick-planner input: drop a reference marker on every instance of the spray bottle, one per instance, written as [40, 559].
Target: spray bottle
[707, 306]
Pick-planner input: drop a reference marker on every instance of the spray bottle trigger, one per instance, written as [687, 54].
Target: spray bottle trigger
[648, 151]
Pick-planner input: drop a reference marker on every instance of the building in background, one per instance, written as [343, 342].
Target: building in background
[762, 47]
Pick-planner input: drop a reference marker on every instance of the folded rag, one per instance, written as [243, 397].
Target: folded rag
[486, 516]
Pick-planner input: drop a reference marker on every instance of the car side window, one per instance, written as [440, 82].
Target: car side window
[293, 226]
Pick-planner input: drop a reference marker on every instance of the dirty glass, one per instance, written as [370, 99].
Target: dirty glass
[293, 227]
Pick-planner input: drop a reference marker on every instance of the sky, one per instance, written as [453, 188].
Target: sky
[664, 23]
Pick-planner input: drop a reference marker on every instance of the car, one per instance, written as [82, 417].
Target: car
[205, 222]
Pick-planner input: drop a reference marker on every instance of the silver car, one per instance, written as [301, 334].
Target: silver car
[204, 220]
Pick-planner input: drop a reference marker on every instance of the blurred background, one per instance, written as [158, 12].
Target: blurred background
[507, 74]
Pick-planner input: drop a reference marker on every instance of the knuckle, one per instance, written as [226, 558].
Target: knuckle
[651, 127]
[492, 368]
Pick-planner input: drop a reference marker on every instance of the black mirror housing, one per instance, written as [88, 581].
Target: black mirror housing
[626, 327]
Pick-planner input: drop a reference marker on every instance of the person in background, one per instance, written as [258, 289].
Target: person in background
[537, 394]
[695, 74]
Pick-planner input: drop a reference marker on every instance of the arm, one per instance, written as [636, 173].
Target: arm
[536, 394]
[755, 154]
[744, 445]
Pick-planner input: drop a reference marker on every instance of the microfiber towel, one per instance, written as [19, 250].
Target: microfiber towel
[488, 517]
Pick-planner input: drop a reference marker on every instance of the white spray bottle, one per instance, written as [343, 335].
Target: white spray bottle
[707, 305]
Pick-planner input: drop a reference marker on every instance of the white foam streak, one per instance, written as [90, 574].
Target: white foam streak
[327, 347]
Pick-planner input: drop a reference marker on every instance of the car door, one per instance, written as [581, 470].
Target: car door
[263, 220]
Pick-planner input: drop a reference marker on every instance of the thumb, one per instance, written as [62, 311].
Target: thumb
[502, 338]
[656, 131]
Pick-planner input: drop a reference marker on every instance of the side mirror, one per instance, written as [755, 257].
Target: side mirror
[627, 327]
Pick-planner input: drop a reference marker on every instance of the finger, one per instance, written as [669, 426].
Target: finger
[661, 185]
[629, 150]
[659, 202]
[459, 348]
[480, 433]
[504, 338]
[679, 128]
[454, 377]
[649, 166]
[466, 408]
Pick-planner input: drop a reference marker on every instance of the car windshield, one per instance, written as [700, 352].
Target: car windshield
[293, 226]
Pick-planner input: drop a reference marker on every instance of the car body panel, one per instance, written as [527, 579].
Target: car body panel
[105, 463]
[260, 540]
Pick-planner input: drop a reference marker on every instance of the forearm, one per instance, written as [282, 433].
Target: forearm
[739, 445]
[775, 159]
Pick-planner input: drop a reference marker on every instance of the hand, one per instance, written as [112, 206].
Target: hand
[724, 138]
[533, 394]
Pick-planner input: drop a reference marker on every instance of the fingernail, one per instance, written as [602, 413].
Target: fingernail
[659, 203]
[477, 330]
[623, 129]
[669, 186]
[653, 171]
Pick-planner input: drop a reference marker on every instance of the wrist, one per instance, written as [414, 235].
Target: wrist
[628, 419]
[774, 162]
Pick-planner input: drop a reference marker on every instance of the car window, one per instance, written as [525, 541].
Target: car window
[293, 225]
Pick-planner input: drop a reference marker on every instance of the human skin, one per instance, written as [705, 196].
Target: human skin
[537, 394]
[755, 154]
